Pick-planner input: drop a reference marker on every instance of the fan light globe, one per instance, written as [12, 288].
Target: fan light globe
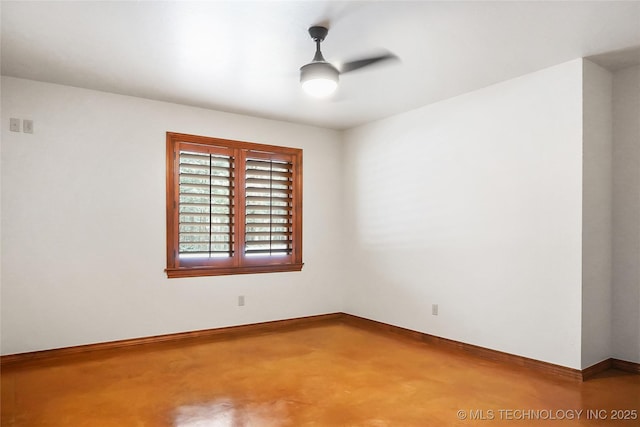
[320, 88]
[319, 79]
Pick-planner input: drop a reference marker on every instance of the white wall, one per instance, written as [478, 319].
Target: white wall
[474, 203]
[83, 222]
[596, 214]
[626, 214]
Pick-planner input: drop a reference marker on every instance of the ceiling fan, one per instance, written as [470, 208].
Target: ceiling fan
[319, 78]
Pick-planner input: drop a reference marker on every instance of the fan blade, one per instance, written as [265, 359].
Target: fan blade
[360, 63]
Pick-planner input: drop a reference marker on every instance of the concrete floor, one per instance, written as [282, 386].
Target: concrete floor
[326, 375]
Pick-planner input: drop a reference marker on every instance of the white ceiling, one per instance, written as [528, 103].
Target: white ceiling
[244, 56]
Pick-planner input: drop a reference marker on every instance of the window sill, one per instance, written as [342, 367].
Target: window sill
[173, 273]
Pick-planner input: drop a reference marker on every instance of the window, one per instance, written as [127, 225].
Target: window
[232, 207]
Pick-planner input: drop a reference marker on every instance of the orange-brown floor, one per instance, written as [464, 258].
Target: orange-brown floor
[325, 375]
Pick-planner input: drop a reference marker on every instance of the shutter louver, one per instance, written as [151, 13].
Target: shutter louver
[268, 211]
[205, 205]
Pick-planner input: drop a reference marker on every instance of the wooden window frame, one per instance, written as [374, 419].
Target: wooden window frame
[237, 263]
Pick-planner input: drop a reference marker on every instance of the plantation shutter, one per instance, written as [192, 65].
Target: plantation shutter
[233, 207]
[268, 206]
[205, 222]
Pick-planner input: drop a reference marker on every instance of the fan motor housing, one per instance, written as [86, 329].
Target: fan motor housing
[317, 70]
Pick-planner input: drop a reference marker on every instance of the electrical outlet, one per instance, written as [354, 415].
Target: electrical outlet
[241, 300]
[27, 126]
[434, 309]
[14, 125]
